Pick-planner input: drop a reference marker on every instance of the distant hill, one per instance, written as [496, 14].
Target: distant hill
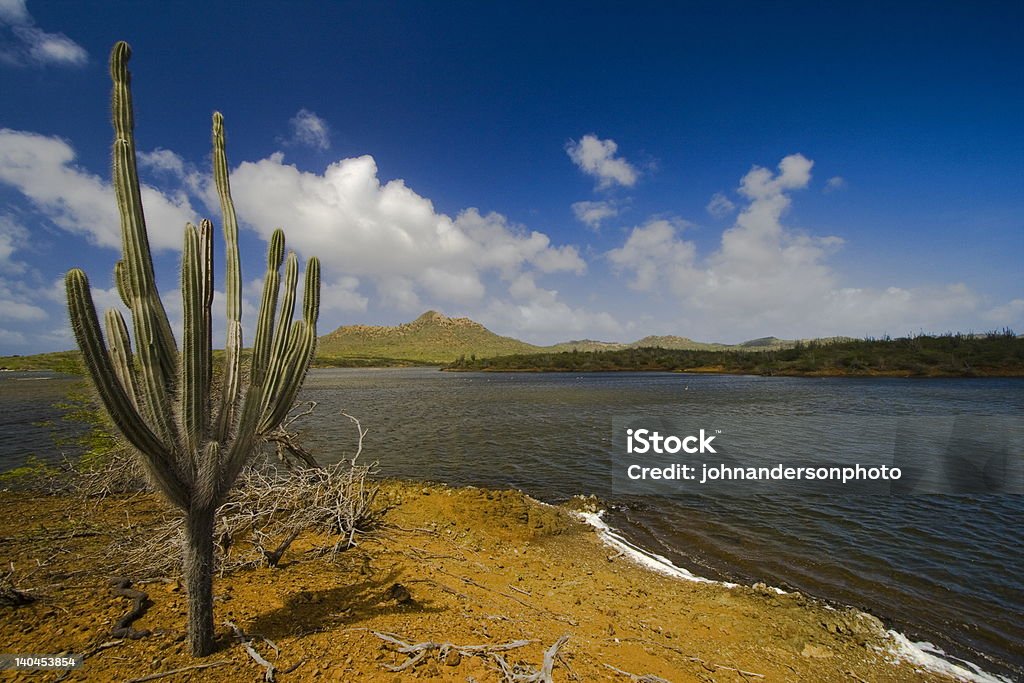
[673, 342]
[584, 345]
[431, 338]
[436, 338]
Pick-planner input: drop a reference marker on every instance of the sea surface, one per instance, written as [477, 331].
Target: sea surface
[946, 569]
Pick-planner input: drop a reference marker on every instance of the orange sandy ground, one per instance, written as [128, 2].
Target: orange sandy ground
[480, 567]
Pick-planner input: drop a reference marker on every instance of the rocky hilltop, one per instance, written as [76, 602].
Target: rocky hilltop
[432, 337]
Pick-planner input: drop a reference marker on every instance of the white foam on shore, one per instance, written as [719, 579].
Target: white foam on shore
[932, 658]
[924, 654]
[611, 537]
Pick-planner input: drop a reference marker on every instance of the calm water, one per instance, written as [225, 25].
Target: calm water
[946, 569]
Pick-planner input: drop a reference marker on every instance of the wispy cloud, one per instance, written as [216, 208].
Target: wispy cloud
[597, 158]
[835, 183]
[310, 130]
[24, 44]
[720, 206]
[594, 213]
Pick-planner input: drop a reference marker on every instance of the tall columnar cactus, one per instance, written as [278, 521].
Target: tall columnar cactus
[193, 435]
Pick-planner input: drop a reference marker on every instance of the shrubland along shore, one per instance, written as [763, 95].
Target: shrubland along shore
[473, 585]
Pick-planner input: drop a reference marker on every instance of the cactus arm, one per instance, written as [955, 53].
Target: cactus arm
[206, 261]
[301, 347]
[138, 260]
[236, 455]
[233, 346]
[268, 306]
[311, 293]
[279, 349]
[121, 282]
[205, 489]
[194, 385]
[85, 324]
[121, 354]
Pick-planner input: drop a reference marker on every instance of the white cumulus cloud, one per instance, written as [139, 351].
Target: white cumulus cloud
[597, 158]
[28, 44]
[384, 231]
[43, 170]
[767, 278]
[538, 314]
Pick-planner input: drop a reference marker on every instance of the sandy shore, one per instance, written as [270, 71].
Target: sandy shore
[467, 567]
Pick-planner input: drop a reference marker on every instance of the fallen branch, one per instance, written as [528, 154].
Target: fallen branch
[10, 596]
[514, 675]
[415, 652]
[123, 628]
[172, 672]
[710, 666]
[246, 641]
[645, 678]
[554, 615]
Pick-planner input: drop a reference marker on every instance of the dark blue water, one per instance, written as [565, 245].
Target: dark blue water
[941, 568]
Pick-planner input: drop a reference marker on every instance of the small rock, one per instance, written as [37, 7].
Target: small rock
[398, 593]
[453, 658]
[815, 652]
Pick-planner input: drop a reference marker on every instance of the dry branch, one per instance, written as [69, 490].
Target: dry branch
[415, 652]
[265, 513]
[246, 641]
[710, 666]
[172, 672]
[644, 678]
[521, 674]
[10, 595]
[123, 628]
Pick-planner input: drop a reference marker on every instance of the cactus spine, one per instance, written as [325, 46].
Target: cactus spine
[192, 438]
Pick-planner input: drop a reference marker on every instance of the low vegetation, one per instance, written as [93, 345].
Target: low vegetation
[68, 362]
[948, 355]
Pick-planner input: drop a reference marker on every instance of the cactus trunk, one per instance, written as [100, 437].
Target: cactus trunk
[197, 570]
[192, 438]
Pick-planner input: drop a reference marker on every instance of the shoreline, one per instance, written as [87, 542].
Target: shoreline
[924, 654]
[718, 371]
[480, 566]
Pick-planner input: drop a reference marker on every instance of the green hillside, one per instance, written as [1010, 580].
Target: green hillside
[996, 354]
[431, 338]
[584, 345]
[673, 342]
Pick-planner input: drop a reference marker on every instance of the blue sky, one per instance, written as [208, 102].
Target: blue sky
[716, 170]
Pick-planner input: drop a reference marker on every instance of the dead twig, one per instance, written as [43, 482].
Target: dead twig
[554, 615]
[172, 672]
[10, 595]
[123, 627]
[645, 678]
[246, 641]
[710, 666]
[520, 674]
[416, 652]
